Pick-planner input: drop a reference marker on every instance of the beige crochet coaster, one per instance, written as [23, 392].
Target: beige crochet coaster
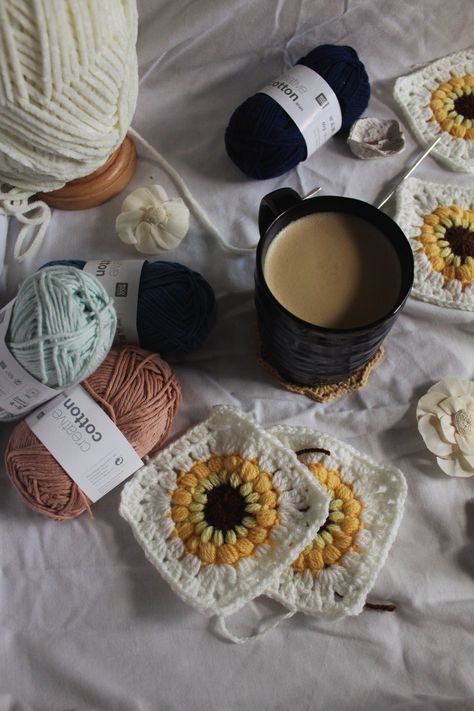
[328, 392]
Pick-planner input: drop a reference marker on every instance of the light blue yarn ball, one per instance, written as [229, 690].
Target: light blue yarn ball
[62, 327]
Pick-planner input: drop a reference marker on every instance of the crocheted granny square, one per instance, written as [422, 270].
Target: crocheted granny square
[334, 573]
[223, 511]
[440, 97]
[439, 223]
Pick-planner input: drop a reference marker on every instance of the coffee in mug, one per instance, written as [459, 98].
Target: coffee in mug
[333, 270]
[331, 278]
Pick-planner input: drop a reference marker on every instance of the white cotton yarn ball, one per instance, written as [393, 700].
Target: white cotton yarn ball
[68, 87]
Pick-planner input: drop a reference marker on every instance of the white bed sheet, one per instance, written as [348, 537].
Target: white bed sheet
[86, 622]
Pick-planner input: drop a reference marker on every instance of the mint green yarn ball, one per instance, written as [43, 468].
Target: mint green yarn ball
[62, 327]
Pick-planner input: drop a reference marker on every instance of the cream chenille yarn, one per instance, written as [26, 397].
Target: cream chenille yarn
[68, 90]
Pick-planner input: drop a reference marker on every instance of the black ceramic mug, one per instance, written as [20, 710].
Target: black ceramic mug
[301, 352]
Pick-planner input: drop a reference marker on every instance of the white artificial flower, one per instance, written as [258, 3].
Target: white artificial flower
[151, 221]
[446, 423]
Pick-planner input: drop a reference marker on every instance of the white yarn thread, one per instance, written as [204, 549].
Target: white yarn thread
[262, 628]
[188, 197]
[34, 216]
[68, 90]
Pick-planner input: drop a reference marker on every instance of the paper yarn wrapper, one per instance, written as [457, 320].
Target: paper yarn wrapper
[415, 93]
[215, 570]
[421, 209]
[367, 501]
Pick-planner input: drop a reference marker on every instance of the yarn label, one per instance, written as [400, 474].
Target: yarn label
[121, 281]
[309, 100]
[85, 442]
[20, 392]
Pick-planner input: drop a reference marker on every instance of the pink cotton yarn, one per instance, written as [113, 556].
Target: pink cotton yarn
[139, 392]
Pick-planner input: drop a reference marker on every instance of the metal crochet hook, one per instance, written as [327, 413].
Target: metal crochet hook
[410, 170]
[312, 193]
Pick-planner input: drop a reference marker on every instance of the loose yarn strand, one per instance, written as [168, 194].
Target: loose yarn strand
[34, 216]
[193, 205]
[262, 628]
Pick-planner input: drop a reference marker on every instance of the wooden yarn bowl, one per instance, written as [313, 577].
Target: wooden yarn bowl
[98, 187]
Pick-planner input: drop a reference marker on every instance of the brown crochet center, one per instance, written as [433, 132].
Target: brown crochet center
[465, 106]
[461, 241]
[225, 507]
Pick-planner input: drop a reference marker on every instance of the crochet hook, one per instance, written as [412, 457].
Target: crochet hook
[415, 165]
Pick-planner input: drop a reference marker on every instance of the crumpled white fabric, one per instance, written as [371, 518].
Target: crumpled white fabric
[87, 623]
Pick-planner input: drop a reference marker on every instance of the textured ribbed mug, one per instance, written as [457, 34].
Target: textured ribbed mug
[304, 353]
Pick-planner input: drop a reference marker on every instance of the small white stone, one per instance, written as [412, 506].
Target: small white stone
[375, 138]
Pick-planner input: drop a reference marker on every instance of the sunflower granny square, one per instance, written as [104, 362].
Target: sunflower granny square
[439, 223]
[440, 97]
[333, 574]
[223, 511]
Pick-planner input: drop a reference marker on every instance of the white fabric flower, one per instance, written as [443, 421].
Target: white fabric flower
[446, 423]
[151, 221]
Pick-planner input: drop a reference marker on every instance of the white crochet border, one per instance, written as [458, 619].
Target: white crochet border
[413, 94]
[382, 491]
[223, 589]
[414, 199]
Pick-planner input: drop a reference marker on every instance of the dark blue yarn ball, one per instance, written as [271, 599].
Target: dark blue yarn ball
[264, 142]
[176, 307]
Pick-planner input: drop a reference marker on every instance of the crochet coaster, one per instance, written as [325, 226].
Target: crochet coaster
[439, 223]
[334, 573]
[327, 393]
[223, 511]
[440, 97]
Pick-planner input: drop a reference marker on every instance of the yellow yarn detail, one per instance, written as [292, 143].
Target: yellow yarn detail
[181, 497]
[448, 101]
[232, 463]
[266, 518]
[337, 535]
[200, 470]
[207, 552]
[249, 471]
[187, 481]
[262, 483]
[447, 239]
[193, 508]
[257, 535]
[179, 513]
[268, 499]
[215, 464]
[228, 554]
[184, 529]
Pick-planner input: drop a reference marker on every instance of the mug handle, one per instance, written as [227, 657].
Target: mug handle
[274, 204]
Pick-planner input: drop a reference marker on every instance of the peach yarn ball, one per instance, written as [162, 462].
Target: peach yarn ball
[138, 391]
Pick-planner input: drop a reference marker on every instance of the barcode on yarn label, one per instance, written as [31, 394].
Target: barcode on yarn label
[309, 100]
[85, 442]
[121, 281]
[20, 392]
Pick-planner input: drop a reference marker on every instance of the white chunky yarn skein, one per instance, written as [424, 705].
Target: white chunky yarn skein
[68, 89]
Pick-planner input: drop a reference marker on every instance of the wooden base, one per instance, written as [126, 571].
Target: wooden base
[98, 187]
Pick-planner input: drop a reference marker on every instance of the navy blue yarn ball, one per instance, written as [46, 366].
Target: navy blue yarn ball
[176, 307]
[264, 142]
